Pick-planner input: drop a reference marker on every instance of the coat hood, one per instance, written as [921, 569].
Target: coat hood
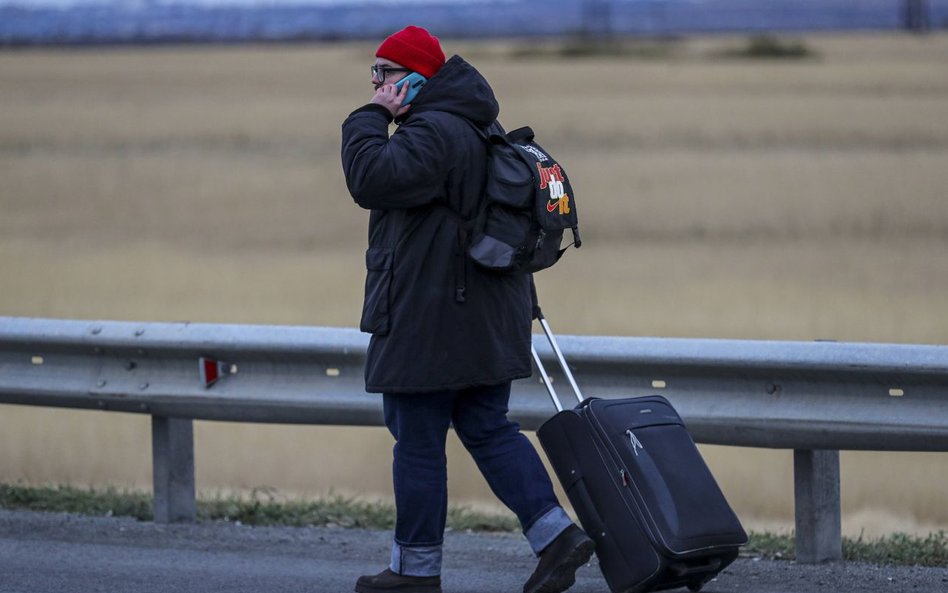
[460, 89]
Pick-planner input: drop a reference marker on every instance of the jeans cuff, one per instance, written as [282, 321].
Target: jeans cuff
[545, 529]
[420, 561]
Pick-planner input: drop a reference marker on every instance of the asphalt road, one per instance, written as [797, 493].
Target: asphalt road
[60, 553]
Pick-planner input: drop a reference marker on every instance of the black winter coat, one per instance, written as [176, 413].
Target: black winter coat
[424, 337]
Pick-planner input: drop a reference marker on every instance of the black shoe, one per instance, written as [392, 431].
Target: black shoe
[390, 582]
[559, 561]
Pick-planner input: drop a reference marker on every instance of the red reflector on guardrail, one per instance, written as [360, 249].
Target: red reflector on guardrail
[212, 370]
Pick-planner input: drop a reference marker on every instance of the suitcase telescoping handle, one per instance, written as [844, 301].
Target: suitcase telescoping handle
[559, 355]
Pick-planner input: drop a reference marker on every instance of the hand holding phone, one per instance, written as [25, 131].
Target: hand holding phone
[414, 81]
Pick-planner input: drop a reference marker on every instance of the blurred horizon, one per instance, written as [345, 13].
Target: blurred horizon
[39, 22]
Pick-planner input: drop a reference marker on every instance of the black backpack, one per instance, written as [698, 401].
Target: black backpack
[528, 203]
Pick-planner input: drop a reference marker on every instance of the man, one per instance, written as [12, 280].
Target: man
[447, 337]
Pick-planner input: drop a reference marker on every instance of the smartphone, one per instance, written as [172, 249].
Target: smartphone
[414, 81]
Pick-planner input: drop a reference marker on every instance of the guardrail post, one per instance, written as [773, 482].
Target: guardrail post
[172, 454]
[816, 494]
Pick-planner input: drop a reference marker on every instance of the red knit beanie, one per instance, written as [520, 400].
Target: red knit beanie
[414, 48]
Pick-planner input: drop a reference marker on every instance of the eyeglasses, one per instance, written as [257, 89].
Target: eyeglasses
[379, 71]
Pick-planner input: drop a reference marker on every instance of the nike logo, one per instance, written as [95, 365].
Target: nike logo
[551, 206]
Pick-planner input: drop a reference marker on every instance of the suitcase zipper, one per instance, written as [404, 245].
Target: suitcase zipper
[636, 444]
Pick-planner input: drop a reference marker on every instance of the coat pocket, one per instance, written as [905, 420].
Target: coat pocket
[378, 283]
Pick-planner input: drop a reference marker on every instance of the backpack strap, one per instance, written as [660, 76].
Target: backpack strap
[524, 134]
[466, 227]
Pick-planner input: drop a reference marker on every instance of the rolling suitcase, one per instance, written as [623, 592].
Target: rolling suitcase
[640, 489]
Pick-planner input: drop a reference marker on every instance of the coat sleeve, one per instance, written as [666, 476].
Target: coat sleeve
[401, 171]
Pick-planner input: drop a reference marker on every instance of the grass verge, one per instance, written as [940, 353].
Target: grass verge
[262, 507]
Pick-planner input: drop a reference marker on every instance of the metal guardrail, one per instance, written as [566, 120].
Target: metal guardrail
[813, 397]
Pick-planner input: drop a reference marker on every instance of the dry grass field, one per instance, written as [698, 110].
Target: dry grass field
[719, 198]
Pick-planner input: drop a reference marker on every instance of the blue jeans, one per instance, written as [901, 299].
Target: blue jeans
[419, 423]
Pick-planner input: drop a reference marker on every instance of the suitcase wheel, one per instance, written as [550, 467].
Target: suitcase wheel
[695, 586]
